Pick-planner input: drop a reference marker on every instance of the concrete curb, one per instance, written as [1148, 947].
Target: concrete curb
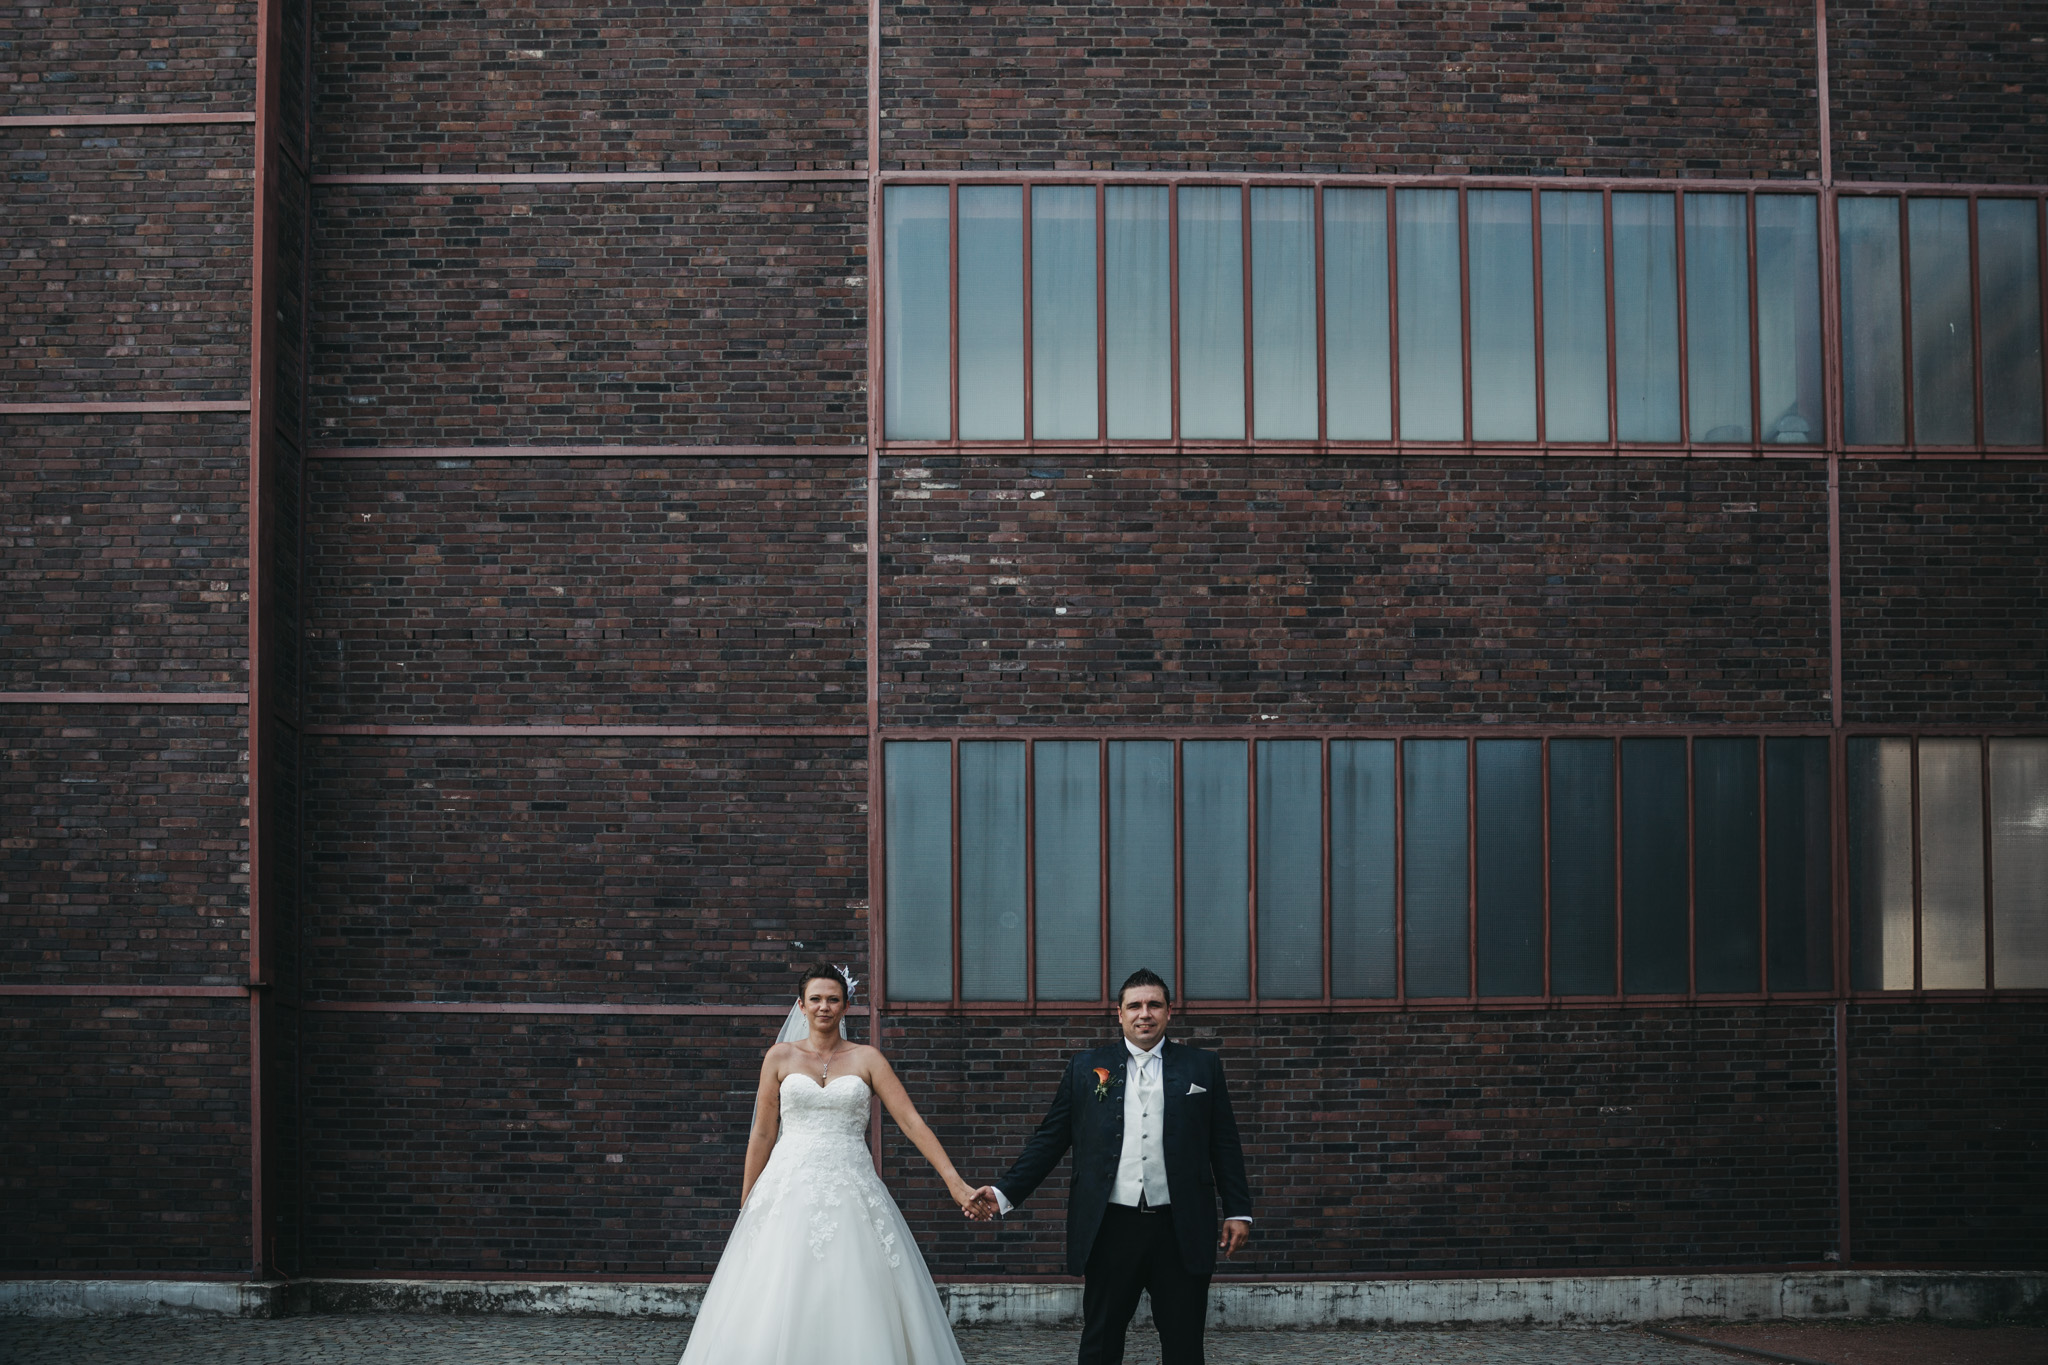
[1507, 1301]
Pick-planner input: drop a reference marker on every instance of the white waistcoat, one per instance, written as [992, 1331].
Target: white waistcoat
[1142, 1169]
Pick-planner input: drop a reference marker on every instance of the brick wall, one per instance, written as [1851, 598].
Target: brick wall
[663, 314]
[1939, 92]
[1565, 88]
[1948, 1161]
[124, 552]
[124, 1137]
[183, 56]
[1943, 582]
[125, 269]
[652, 85]
[660, 871]
[727, 591]
[1233, 589]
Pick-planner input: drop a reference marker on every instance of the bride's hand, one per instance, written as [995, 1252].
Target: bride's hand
[970, 1201]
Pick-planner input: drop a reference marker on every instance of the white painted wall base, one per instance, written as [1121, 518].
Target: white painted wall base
[1508, 1301]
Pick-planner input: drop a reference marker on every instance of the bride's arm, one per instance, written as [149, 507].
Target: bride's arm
[881, 1078]
[767, 1121]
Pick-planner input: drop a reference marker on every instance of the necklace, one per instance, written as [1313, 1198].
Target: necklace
[825, 1064]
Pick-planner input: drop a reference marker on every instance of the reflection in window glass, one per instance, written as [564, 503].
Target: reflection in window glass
[1141, 867]
[2019, 861]
[918, 870]
[1727, 938]
[1800, 891]
[1944, 376]
[1509, 809]
[1211, 313]
[1873, 345]
[1437, 916]
[991, 313]
[1290, 870]
[1645, 317]
[1788, 318]
[1653, 881]
[1355, 315]
[1502, 269]
[1066, 836]
[1951, 865]
[1284, 316]
[1574, 318]
[1432, 320]
[2009, 290]
[1582, 866]
[1140, 313]
[992, 870]
[1717, 316]
[1880, 864]
[1063, 406]
[1215, 872]
[1362, 869]
[917, 380]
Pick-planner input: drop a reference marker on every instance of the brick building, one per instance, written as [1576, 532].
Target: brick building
[1497, 544]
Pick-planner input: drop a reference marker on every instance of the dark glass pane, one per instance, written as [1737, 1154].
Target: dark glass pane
[1501, 265]
[992, 870]
[1788, 330]
[1211, 312]
[1799, 886]
[1653, 866]
[918, 869]
[1140, 858]
[1646, 316]
[1437, 915]
[1944, 372]
[1063, 312]
[1284, 316]
[1582, 867]
[1726, 921]
[1873, 332]
[1290, 869]
[2019, 862]
[1066, 837]
[2009, 291]
[1431, 317]
[1215, 870]
[1717, 315]
[1355, 315]
[918, 378]
[1362, 869]
[1137, 279]
[1509, 800]
[991, 313]
[1881, 864]
[1574, 317]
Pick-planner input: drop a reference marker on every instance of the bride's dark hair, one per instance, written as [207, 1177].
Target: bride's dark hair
[824, 971]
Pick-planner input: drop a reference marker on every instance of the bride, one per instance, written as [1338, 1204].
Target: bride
[820, 1258]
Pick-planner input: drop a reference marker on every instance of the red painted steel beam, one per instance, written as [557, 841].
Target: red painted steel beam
[877, 987]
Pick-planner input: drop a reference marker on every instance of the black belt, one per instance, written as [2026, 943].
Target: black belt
[1142, 1207]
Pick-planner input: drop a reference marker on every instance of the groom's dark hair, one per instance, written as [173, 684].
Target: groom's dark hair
[1144, 976]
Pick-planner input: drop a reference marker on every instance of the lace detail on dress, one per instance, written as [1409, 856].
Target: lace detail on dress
[822, 1165]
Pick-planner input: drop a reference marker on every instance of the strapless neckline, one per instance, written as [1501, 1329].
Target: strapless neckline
[800, 1076]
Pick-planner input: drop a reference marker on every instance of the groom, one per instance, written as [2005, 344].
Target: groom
[1154, 1144]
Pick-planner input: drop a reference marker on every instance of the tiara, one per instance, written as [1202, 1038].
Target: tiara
[851, 981]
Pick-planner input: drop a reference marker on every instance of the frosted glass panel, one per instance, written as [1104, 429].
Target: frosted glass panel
[1140, 312]
[1215, 880]
[2009, 290]
[1211, 312]
[1653, 883]
[918, 788]
[1063, 405]
[1355, 315]
[1140, 858]
[1436, 873]
[1727, 837]
[1582, 866]
[1788, 319]
[1284, 316]
[1645, 317]
[1951, 865]
[918, 383]
[1509, 800]
[1362, 868]
[1944, 375]
[1799, 895]
[1717, 316]
[2019, 860]
[1290, 869]
[991, 313]
[1431, 318]
[992, 870]
[1574, 317]
[1067, 867]
[1873, 344]
[1502, 265]
[1881, 864]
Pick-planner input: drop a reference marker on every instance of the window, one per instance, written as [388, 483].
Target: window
[1400, 869]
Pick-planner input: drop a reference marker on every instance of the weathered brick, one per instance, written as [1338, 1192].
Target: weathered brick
[173, 56]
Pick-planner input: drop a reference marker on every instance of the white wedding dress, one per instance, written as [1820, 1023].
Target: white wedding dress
[820, 1265]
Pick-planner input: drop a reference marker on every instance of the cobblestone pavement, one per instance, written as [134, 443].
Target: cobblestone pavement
[410, 1339]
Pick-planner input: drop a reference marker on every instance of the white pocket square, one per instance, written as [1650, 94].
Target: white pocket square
[1194, 1089]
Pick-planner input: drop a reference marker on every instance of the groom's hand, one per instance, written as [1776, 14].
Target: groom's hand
[983, 1206]
[1231, 1240]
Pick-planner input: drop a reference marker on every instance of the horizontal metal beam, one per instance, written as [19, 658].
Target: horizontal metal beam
[587, 177]
[599, 452]
[116, 120]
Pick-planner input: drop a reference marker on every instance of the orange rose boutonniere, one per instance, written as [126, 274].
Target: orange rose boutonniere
[1101, 1083]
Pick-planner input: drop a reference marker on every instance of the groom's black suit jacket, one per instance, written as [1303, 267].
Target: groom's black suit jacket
[1203, 1156]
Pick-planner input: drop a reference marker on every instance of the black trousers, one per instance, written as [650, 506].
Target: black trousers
[1136, 1253]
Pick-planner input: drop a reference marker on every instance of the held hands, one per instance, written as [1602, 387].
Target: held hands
[977, 1205]
[1231, 1240]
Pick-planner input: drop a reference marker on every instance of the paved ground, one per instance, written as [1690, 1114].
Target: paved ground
[1891, 1343]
